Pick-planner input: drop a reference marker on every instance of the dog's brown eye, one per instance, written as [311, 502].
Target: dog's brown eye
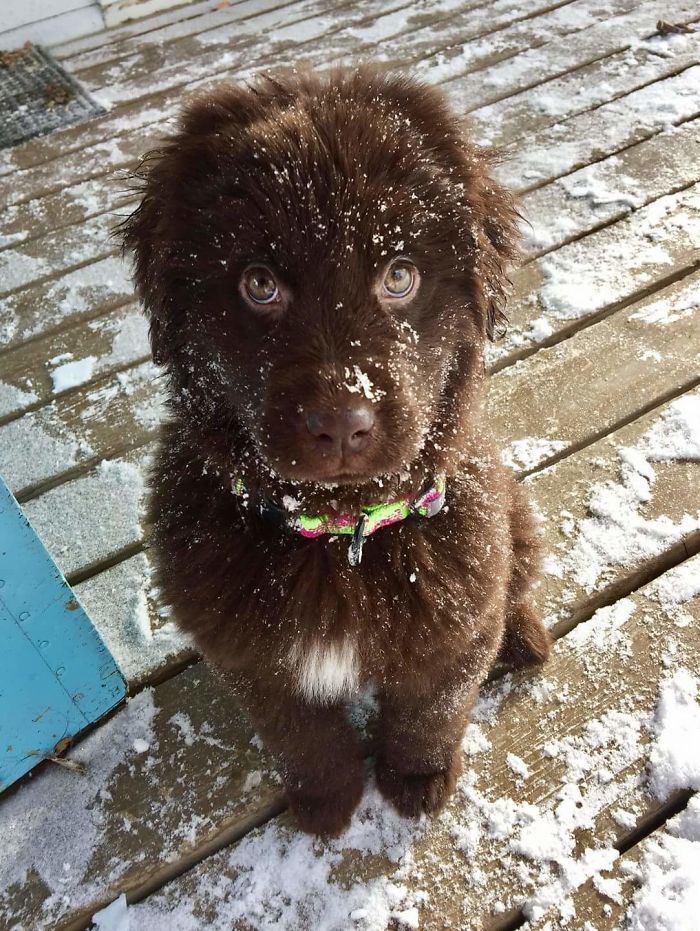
[260, 285]
[400, 280]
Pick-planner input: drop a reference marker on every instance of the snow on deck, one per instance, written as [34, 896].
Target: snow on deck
[576, 807]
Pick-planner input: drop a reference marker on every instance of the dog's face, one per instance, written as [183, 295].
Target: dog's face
[317, 259]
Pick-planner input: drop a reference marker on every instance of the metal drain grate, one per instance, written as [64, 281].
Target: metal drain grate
[38, 96]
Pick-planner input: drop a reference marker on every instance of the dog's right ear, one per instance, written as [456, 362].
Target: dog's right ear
[170, 181]
[141, 236]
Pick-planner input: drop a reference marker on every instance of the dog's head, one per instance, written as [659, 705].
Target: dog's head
[321, 262]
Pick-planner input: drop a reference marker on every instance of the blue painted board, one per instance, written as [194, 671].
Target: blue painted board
[56, 674]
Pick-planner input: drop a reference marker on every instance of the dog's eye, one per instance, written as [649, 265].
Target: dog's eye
[260, 285]
[400, 280]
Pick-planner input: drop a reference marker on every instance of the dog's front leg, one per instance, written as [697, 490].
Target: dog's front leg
[318, 751]
[421, 733]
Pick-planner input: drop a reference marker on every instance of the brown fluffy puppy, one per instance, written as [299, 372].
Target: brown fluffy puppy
[321, 260]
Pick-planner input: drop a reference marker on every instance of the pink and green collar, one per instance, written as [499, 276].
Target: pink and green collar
[371, 518]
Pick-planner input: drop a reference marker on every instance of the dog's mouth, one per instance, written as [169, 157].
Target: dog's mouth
[302, 464]
[328, 475]
[349, 440]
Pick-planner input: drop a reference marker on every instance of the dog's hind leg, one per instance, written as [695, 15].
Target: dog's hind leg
[526, 641]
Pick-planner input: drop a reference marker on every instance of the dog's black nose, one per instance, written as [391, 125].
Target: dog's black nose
[348, 429]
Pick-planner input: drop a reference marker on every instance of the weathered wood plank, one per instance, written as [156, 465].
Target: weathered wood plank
[548, 755]
[534, 66]
[584, 387]
[188, 60]
[80, 429]
[146, 26]
[608, 189]
[125, 606]
[62, 249]
[614, 511]
[33, 373]
[95, 517]
[124, 41]
[525, 112]
[176, 769]
[566, 146]
[559, 292]
[86, 291]
[122, 146]
[67, 205]
[450, 54]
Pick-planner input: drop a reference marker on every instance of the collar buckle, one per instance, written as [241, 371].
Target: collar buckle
[357, 542]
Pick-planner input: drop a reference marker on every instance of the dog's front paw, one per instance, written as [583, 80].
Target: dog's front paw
[415, 793]
[325, 814]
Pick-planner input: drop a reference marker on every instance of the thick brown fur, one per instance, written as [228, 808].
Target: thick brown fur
[325, 179]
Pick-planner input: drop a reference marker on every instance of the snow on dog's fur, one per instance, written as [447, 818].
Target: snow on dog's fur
[321, 259]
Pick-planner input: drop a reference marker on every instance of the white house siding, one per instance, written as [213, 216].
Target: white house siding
[47, 22]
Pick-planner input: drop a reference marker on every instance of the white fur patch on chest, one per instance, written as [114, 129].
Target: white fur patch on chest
[326, 673]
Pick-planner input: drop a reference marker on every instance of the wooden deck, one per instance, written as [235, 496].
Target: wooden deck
[594, 394]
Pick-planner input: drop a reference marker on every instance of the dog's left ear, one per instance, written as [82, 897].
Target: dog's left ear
[493, 221]
[493, 217]
[497, 238]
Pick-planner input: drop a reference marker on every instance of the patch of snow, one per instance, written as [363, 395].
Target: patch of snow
[669, 309]
[669, 877]
[183, 723]
[72, 374]
[675, 757]
[539, 329]
[604, 630]
[530, 452]
[474, 740]
[677, 434]
[59, 804]
[675, 588]
[13, 398]
[278, 877]
[517, 765]
[616, 532]
[362, 384]
[592, 185]
[115, 917]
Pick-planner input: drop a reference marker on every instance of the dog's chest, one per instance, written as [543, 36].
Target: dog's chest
[325, 672]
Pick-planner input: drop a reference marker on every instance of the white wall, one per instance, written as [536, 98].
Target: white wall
[47, 22]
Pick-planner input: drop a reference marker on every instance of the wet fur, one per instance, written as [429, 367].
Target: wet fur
[325, 178]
